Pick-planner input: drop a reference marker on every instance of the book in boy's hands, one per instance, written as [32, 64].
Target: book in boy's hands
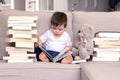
[60, 56]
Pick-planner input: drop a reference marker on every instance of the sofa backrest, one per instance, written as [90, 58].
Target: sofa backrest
[43, 24]
[102, 21]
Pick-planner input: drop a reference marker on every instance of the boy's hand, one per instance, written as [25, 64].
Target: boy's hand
[39, 43]
[36, 45]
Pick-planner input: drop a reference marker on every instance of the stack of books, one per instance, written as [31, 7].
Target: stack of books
[107, 46]
[21, 37]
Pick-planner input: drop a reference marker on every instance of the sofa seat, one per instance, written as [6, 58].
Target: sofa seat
[100, 71]
[39, 71]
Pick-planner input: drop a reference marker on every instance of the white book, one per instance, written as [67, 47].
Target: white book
[108, 54]
[99, 39]
[9, 49]
[78, 61]
[22, 36]
[21, 55]
[17, 52]
[21, 18]
[117, 46]
[21, 40]
[109, 34]
[107, 49]
[107, 43]
[22, 27]
[21, 21]
[20, 60]
[22, 44]
[10, 31]
[14, 57]
[105, 59]
[30, 24]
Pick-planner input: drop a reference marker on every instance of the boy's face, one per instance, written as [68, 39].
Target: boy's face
[58, 30]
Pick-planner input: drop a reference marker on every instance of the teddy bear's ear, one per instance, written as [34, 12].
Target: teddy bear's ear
[88, 31]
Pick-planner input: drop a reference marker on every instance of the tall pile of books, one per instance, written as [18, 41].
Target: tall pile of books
[21, 37]
[107, 46]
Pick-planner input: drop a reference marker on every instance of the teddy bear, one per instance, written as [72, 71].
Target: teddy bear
[84, 47]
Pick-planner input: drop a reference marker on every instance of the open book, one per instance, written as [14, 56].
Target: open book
[58, 57]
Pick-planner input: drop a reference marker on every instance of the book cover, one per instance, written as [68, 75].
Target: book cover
[15, 57]
[17, 52]
[109, 34]
[22, 35]
[22, 55]
[107, 43]
[21, 18]
[105, 59]
[10, 31]
[21, 21]
[99, 39]
[58, 57]
[10, 48]
[20, 60]
[107, 46]
[21, 40]
[107, 49]
[22, 44]
[25, 24]
[107, 53]
[21, 27]
[78, 60]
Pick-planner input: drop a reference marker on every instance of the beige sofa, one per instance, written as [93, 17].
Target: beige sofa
[102, 21]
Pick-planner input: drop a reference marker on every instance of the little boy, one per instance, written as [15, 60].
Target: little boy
[56, 39]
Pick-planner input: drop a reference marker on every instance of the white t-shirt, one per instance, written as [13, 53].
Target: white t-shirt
[53, 44]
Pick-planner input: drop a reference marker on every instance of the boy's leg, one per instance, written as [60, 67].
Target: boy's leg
[39, 56]
[43, 57]
[37, 51]
[67, 60]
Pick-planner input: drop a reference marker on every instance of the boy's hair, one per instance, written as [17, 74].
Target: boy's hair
[59, 18]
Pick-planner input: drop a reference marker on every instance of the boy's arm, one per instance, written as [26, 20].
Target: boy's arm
[39, 43]
[68, 48]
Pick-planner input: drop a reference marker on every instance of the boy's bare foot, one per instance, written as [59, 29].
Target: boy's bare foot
[67, 60]
[43, 57]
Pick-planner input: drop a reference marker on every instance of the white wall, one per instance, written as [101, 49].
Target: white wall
[60, 5]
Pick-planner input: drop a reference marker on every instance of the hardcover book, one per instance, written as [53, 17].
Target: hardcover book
[22, 44]
[21, 40]
[108, 34]
[10, 48]
[22, 32]
[21, 28]
[105, 59]
[26, 36]
[60, 56]
[22, 18]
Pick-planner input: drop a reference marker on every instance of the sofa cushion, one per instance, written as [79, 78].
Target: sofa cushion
[43, 23]
[102, 21]
[40, 71]
[100, 71]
